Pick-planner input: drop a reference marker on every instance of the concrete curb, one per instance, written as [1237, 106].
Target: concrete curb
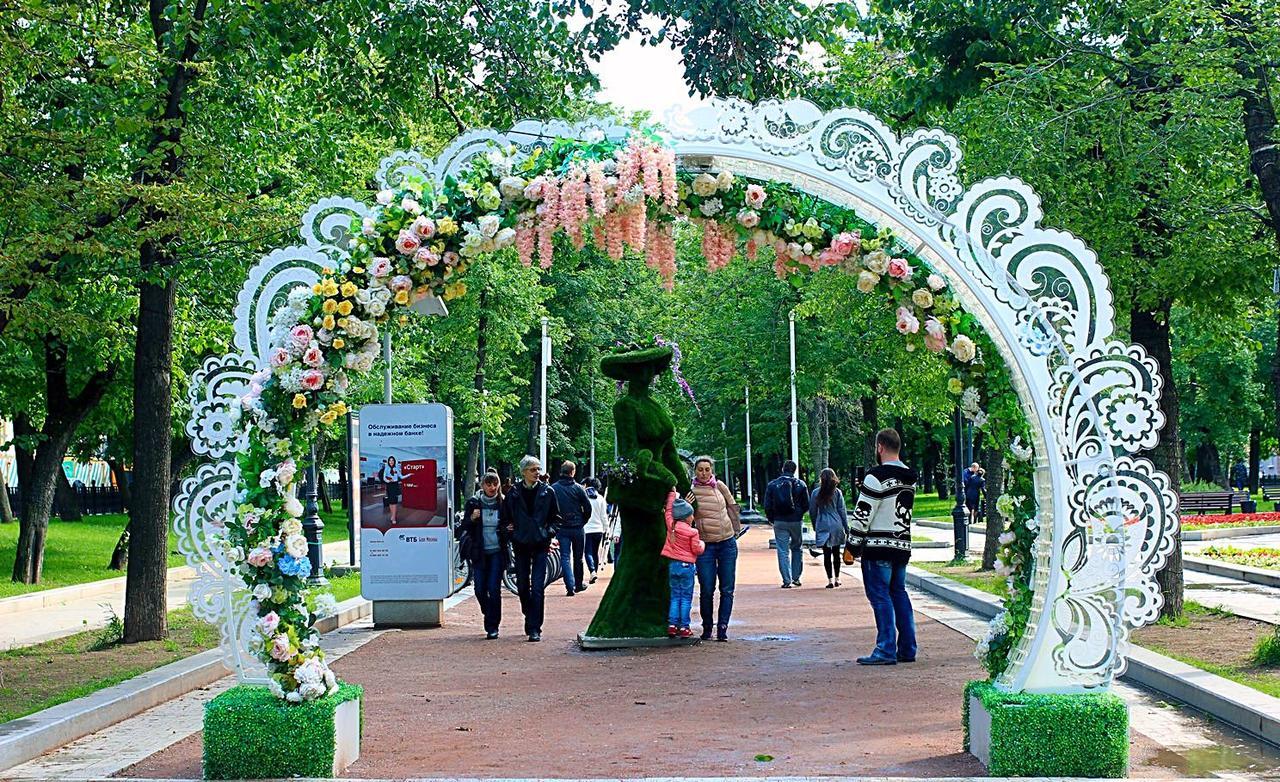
[1253, 575]
[1228, 532]
[31, 736]
[48, 598]
[1242, 707]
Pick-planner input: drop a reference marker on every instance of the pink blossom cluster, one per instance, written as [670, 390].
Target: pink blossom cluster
[573, 204]
[660, 253]
[650, 165]
[719, 243]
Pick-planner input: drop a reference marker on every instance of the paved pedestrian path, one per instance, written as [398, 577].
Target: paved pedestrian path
[783, 698]
[80, 611]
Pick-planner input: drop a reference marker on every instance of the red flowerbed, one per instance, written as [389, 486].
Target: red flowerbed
[1250, 519]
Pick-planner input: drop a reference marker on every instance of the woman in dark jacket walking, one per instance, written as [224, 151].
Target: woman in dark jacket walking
[486, 549]
[531, 516]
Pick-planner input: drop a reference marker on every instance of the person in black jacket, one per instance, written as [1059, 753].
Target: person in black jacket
[485, 548]
[532, 518]
[786, 499]
[575, 509]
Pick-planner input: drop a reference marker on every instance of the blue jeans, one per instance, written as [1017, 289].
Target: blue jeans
[787, 534]
[719, 561]
[681, 579]
[531, 583]
[572, 540]
[886, 585]
[488, 580]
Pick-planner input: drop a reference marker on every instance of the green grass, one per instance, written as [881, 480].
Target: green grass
[928, 506]
[969, 575]
[77, 552]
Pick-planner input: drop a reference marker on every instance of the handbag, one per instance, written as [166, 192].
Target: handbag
[852, 551]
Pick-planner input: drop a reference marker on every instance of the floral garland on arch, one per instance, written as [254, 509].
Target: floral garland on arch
[420, 240]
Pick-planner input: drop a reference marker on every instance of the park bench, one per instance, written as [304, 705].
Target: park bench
[1271, 493]
[1207, 501]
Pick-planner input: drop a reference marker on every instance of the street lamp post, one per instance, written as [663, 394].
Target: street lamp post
[795, 422]
[542, 418]
[386, 367]
[750, 484]
[959, 518]
[312, 524]
[724, 441]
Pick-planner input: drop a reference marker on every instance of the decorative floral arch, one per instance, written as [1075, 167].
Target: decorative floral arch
[1104, 519]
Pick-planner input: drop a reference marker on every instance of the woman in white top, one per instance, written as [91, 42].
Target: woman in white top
[595, 526]
[391, 478]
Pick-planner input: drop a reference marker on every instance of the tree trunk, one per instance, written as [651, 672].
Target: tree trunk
[472, 475]
[1208, 464]
[6, 512]
[122, 483]
[145, 601]
[994, 459]
[1255, 458]
[1150, 329]
[870, 423]
[64, 497]
[344, 477]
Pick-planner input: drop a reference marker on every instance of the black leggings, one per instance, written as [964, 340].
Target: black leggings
[593, 550]
[831, 560]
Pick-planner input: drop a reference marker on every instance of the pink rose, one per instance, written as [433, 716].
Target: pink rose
[380, 267]
[829, 257]
[748, 218]
[407, 243]
[269, 623]
[755, 196]
[312, 356]
[261, 557]
[301, 336]
[899, 269]
[907, 322]
[279, 357]
[424, 227]
[401, 282]
[936, 283]
[313, 380]
[280, 648]
[845, 243]
[934, 328]
[426, 257]
[451, 258]
[935, 344]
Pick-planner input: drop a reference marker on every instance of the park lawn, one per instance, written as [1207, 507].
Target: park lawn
[77, 552]
[929, 506]
[38, 677]
[1210, 639]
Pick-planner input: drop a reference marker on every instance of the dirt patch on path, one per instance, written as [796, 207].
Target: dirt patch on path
[447, 703]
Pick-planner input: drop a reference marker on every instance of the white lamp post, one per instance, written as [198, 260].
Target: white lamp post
[750, 485]
[542, 417]
[795, 422]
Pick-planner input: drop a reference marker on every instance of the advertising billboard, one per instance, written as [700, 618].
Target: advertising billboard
[405, 477]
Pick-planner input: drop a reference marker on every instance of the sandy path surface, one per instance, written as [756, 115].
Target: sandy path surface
[447, 703]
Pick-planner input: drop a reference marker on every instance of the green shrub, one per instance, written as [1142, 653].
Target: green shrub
[1196, 487]
[1267, 652]
[251, 734]
[1085, 735]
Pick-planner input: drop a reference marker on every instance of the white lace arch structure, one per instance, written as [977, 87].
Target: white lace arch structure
[1108, 519]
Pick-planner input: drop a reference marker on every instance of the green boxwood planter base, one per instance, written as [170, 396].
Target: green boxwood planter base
[250, 734]
[1025, 735]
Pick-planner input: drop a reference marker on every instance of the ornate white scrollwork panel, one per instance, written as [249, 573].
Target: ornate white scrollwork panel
[267, 287]
[215, 391]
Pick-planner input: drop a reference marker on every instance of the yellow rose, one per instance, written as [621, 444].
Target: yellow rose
[328, 321]
[348, 289]
[446, 226]
[330, 306]
[299, 401]
[328, 417]
[357, 270]
[342, 323]
[955, 386]
[328, 287]
[326, 270]
[316, 289]
[454, 290]
[344, 308]
[404, 319]
[402, 297]
[341, 407]
[339, 343]
[867, 281]
[922, 298]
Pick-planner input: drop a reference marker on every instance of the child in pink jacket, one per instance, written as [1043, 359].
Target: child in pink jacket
[682, 547]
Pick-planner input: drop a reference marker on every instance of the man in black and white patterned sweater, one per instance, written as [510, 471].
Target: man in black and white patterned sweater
[881, 527]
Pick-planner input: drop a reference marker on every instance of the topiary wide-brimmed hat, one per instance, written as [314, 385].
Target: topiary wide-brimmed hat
[637, 363]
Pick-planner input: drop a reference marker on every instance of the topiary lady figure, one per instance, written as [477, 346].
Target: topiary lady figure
[635, 604]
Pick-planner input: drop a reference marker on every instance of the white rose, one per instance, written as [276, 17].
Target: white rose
[711, 207]
[963, 349]
[724, 180]
[369, 226]
[262, 591]
[295, 546]
[512, 187]
[505, 238]
[704, 185]
[294, 697]
[385, 196]
[292, 507]
[489, 225]
[411, 206]
[290, 527]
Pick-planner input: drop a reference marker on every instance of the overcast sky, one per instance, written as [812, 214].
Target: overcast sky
[637, 77]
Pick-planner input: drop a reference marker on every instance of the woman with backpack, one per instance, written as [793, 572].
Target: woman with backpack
[830, 524]
[716, 517]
